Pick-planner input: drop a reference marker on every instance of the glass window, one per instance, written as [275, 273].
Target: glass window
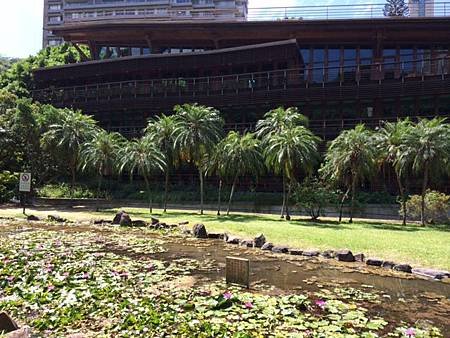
[334, 55]
[305, 56]
[389, 55]
[406, 59]
[365, 56]
[319, 63]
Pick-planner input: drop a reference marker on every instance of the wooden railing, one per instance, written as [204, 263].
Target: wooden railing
[237, 84]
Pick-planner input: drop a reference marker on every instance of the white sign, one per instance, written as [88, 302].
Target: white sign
[25, 182]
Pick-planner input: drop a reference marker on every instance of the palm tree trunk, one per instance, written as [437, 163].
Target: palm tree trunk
[402, 196]
[166, 190]
[424, 192]
[201, 191]
[73, 169]
[231, 194]
[284, 197]
[353, 199]
[99, 186]
[150, 199]
[341, 206]
[288, 216]
[219, 197]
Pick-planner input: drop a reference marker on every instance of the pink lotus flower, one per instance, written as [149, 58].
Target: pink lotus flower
[227, 295]
[50, 288]
[10, 278]
[410, 332]
[150, 267]
[321, 303]
[85, 275]
[248, 305]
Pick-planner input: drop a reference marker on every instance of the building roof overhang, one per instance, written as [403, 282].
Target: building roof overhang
[140, 31]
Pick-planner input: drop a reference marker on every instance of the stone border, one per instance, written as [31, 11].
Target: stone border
[199, 231]
[344, 255]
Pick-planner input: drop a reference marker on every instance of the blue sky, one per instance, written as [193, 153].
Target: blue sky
[21, 22]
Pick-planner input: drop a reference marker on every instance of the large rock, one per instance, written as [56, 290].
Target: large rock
[403, 268]
[32, 218]
[215, 235]
[56, 218]
[139, 223]
[267, 247]
[118, 216]
[125, 220]
[359, 257]
[328, 254]
[295, 252]
[7, 324]
[259, 241]
[311, 253]
[280, 249]
[431, 273]
[247, 243]
[199, 231]
[388, 264]
[345, 256]
[374, 262]
[233, 240]
[154, 221]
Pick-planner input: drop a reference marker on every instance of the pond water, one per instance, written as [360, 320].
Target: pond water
[405, 298]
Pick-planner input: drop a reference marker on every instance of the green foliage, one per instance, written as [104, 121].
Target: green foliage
[63, 190]
[395, 8]
[6, 63]
[8, 185]
[437, 207]
[18, 78]
[312, 196]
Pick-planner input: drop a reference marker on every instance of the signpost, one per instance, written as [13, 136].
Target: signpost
[24, 187]
[238, 271]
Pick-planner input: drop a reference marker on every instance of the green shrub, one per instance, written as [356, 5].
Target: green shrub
[437, 207]
[8, 185]
[63, 190]
[313, 196]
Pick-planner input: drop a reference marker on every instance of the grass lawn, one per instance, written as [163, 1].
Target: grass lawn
[428, 247]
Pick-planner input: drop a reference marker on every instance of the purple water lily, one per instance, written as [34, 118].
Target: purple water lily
[410, 332]
[321, 303]
[227, 295]
[248, 305]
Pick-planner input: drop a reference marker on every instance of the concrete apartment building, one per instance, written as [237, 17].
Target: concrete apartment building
[421, 8]
[58, 12]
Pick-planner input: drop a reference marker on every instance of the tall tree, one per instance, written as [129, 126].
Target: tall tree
[161, 132]
[276, 121]
[291, 150]
[142, 155]
[396, 8]
[391, 144]
[427, 153]
[240, 155]
[101, 154]
[349, 161]
[69, 134]
[198, 129]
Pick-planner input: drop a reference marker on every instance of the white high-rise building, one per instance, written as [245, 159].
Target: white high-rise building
[421, 8]
[58, 12]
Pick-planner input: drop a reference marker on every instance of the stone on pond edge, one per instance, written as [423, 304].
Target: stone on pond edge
[344, 255]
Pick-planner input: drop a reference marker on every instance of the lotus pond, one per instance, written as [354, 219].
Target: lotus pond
[120, 282]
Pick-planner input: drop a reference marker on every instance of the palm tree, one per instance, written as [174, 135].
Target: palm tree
[274, 122]
[69, 134]
[390, 142]
[349, 161]
[101, 154]
[279, 119]
[241, 155]
[427, 153]
[198, 129]
[142, 155]
[161, 132]
[214, 164]
[289, 151]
